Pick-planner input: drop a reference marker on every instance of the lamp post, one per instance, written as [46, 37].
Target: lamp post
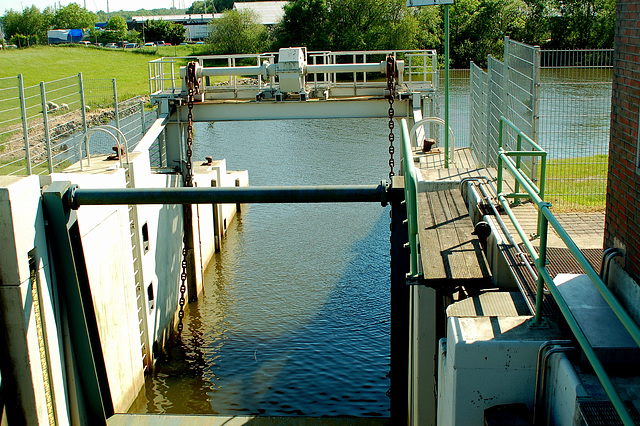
[446, 3]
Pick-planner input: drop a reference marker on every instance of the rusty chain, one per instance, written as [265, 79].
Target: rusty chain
[192, 87]
[391, 76]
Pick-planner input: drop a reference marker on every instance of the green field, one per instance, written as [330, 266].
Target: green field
[577, 184]
[128, 67]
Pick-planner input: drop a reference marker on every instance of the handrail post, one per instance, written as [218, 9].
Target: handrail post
[543, 228]
[518, 165]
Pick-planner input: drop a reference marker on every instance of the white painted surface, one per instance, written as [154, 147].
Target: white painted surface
[488, 361]
[21, 230]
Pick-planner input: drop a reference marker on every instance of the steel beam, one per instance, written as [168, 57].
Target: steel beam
[75, 293]
[399, 340]
[232, 195]
[364, 107]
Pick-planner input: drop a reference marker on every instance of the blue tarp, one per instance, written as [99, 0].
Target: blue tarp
[74, 36]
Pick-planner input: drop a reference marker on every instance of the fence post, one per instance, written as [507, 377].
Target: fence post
[25, 124]
[536, 108]
[487, 106]
[45, 118]
[82, 102]
[144, 130]
[115, 107]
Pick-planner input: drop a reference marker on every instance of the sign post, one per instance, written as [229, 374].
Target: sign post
[446, 3]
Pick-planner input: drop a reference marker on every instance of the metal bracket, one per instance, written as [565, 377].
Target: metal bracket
[414, 279]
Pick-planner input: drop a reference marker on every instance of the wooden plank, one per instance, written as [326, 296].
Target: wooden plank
[449, 251]
[432, 265]
[475, 258]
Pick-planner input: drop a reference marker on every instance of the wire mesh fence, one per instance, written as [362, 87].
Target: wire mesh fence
[559, 98]
[575, 111]
[458, 106]
[42, 127]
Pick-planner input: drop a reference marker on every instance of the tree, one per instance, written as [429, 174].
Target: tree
[198, 7]
[73, 16]
[305, 23]
[222, 5]
[238, 32]
[170, 32]
[582, 23]
[117, 26]
[31, 23]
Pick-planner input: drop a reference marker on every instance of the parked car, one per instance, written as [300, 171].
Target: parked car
[84, 43]
[167, 44]
[111, 46]
[184, 44]
[131, 46]
[149, 44]
[98, 44]
[159, 43]
[199, 42]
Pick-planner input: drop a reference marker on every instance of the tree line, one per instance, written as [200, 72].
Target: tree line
[477, 27]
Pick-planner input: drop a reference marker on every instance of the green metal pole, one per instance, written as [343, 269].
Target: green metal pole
[605, 381]
[446, 86]
[288, 194]
[543, 228]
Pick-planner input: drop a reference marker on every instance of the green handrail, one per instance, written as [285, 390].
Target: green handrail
[411, 194]
[545, 217]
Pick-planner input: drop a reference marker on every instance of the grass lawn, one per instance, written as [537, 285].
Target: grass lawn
[577, 184]
[128, 67]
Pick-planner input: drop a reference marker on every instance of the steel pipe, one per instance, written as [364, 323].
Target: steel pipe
[332, 68]
[229, 195]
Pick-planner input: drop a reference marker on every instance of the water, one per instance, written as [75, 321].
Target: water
[295, 315]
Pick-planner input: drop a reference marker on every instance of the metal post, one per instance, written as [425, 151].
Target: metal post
[83, 104]
[399, 355]
[25, 124]
[45, 118]
[536, 107]
[543, 227]
[115, 107]
[446, 86]
[144, 129]
[75, 294]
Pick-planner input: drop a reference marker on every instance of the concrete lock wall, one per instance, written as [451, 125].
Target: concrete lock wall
[24, 340]
[111, 265]
[106, 243]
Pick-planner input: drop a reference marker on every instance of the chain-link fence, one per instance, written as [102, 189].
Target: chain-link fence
[43, 126]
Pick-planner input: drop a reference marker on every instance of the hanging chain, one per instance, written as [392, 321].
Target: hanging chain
[192, 87]
[391, 77]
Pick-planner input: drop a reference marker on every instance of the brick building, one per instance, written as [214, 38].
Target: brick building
[622, 227]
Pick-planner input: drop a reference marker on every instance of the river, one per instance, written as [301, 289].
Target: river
[295, 314]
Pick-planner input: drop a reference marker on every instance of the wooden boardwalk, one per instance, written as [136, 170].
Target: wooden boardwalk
[451, 256]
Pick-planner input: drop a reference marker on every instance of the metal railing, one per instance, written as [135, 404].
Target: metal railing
[411, 194]
[41, 126]
[546, 218]
[420, 71]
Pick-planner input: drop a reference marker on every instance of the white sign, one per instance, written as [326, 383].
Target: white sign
[427, 2]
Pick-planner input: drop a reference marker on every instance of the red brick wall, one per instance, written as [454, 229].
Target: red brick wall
[622, 225]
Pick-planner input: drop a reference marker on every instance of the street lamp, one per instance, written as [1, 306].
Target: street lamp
[446, 3]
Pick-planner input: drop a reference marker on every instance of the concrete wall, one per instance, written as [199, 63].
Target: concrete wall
[107, 237]
[107, 250]
[487, 361]
[21, 231]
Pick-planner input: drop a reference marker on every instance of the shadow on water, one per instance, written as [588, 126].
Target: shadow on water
[334, 363]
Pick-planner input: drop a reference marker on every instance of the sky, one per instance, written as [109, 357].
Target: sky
[95, 5]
